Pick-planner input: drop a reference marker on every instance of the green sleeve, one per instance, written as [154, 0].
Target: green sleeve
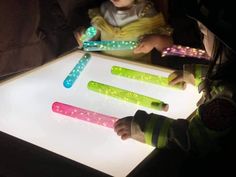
[198, 70]
[156, 130]
[201, 134]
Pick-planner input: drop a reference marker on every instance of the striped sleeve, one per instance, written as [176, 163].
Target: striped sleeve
[203, 133]
[198, 70]
[156, 131]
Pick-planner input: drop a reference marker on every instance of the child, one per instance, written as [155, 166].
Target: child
[212, 127]
[127, 20]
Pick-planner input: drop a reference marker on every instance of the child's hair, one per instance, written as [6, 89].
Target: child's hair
[218, 18]
[221, 67]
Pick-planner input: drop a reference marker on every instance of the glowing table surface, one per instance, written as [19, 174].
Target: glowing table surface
[26, 101]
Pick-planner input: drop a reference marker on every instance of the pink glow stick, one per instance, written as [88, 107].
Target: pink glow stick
[185, 51]
[83, 114]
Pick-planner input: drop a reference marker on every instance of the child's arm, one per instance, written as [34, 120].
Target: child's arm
[79, 35]
[183, 77]
[200, 134]
[148, 42]
[191, 73]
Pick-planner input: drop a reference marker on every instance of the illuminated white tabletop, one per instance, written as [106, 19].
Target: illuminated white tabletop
[26, 101]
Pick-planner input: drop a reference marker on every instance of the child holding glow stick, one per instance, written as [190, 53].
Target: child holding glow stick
[211, 129]
[126, 20]
[186, 35]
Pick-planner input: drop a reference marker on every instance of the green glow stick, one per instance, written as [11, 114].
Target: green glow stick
[146, 77]
[128, 96]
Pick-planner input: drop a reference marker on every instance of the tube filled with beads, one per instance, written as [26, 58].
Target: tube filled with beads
[83, 114]
[128, 96]
[109, 45]
[142, 76]
[89, 34]
[74, 74]
[183, 51]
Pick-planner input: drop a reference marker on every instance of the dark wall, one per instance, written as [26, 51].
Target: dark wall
[33, 32]
[20, 45]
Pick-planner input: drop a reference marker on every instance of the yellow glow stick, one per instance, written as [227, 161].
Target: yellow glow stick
[142, 76]
[128, 96]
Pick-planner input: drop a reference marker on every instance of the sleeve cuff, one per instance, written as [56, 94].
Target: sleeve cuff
[141, 118]
[156, 130]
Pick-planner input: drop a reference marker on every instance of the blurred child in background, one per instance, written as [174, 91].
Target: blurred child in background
[126, 20]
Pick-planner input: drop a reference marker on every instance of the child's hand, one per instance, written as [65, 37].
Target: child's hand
[78, 34]
[123, 127]
[77, 37]
[148, 42]
[181, 77]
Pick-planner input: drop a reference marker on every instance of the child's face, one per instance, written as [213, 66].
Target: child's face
[208, 38]
[122, 3]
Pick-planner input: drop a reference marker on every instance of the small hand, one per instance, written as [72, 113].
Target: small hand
[145, 45]
[148, 42]
[78, 34]
[77, 37]
[123, 127]
[181, 78]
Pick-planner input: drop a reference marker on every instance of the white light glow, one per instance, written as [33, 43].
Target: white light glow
[25, 110]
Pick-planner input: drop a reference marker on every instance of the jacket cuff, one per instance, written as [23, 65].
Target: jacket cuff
[156, 130]
[141, 118]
